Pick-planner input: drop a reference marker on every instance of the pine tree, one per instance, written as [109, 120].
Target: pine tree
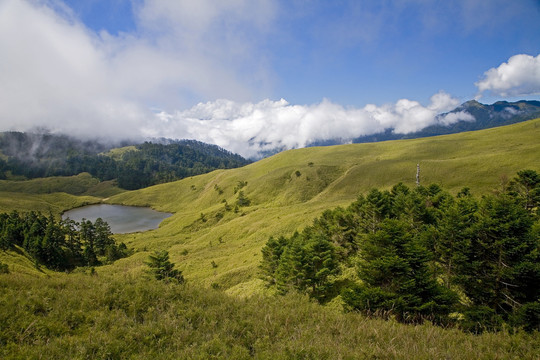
[526, 187]
[453, 234]
[307, 264]
[52, 253]
[397, 278]
[162, 268]
[102, 236]
[271, 256]
[502, 270]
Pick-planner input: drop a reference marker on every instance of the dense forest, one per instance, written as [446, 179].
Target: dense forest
[422, 254]
[44, 155]
[59, 245]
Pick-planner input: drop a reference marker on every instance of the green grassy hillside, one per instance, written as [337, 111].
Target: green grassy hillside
[55, 203]
[82, 184]
[54, 194]
[291, 188]
[286, 192]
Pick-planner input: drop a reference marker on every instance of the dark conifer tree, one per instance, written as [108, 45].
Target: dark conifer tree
[502, 271]
[162, 269]
[271, 256]
[397, 278]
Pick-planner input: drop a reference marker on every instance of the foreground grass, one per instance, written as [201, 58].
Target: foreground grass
[81, 316]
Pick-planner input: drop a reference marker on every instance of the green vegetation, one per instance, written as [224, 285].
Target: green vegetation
[4, 268]
[225, 311]
[133, 167]
[79, 316]
[81, 184]
[416, 250]
[55, 203]
[60, 245]
[162, 268]
[281, 202]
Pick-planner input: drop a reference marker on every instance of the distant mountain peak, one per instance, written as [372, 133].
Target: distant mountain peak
[471, 103]
[485, 116]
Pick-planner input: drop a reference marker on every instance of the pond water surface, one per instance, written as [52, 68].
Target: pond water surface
[122, 219]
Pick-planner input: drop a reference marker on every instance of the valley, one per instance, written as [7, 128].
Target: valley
[221, 220]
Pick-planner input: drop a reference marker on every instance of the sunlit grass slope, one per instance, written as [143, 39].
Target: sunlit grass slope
[213, 244]
[54, 194]
[82, 184]
[55, 203]
[117, 153]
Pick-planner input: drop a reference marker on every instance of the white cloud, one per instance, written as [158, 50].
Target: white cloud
[452, 118]
[519, 76]
[249, 129]
[55, 72]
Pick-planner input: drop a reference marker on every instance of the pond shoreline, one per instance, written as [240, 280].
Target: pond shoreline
[122, 219]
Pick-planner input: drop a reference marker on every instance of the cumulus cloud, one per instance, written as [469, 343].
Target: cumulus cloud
[519, 76]
[252, 128]
[56, 72]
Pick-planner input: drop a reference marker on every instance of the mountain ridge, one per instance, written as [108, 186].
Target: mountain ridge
[133, 165]
[485, 116]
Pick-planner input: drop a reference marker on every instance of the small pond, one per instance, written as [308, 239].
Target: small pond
[122, 219]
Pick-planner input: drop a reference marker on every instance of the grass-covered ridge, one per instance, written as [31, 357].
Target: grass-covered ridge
[81, 184]
[287, 191]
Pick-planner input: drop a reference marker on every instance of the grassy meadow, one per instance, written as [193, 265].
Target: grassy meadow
[54, 194]
[225, 311]
[288, 190]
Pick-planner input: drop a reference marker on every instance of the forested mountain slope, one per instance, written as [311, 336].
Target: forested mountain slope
[133, 165]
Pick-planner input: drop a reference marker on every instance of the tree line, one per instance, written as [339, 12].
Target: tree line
[420, 253]
[60, 245]
[45, 155]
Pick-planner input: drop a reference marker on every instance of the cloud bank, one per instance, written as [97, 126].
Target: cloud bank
[250, 129]
[58, 74]
[517, 77]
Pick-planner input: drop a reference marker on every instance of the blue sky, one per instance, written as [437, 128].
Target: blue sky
[359, 52]
[243, 72]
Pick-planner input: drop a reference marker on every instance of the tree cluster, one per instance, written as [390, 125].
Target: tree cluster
[422, 254]
[60, 245]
